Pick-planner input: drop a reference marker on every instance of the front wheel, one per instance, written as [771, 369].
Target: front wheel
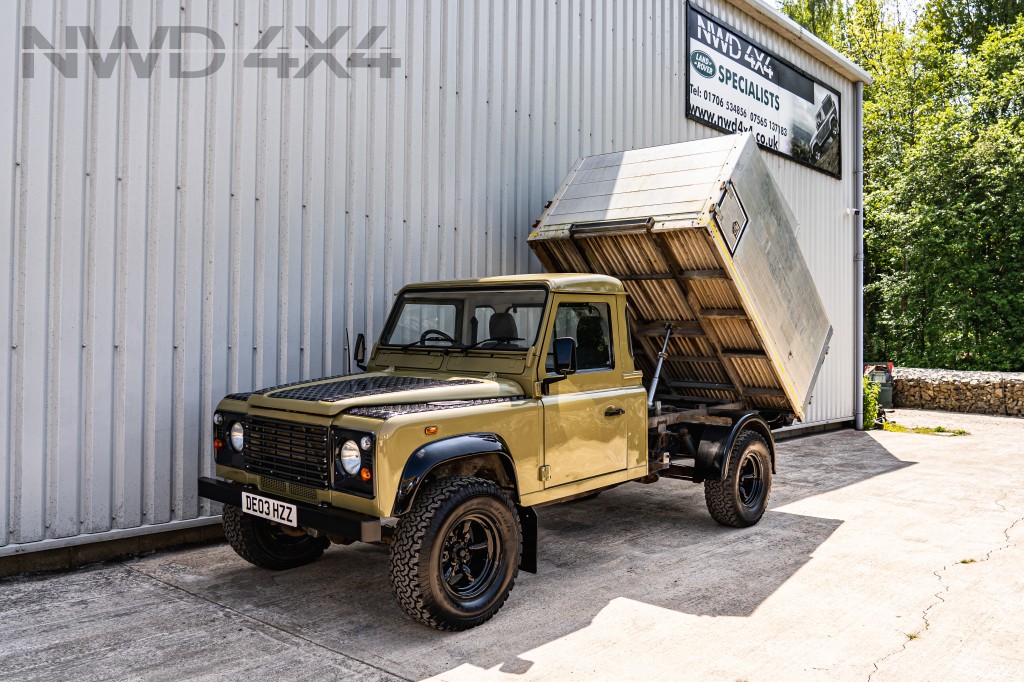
[264, 543]
[741, 499]
[456, 553]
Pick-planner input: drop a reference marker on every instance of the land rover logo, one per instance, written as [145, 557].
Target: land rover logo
[702, 64]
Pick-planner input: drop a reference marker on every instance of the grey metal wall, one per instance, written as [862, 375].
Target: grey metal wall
[167, 241]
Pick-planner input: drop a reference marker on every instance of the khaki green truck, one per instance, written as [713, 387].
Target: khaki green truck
[676, 327]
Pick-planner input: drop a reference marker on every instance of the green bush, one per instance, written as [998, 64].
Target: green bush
[871, 391]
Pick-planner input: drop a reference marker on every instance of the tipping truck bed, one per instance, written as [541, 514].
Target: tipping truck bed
[704, 243]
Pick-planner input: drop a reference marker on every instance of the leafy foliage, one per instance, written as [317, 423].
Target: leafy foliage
[871, 392]
[944, 178]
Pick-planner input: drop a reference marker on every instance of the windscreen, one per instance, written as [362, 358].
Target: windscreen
[467, 319]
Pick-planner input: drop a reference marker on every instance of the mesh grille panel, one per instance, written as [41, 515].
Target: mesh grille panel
[388, 411]
[271, 485]
[332, 391]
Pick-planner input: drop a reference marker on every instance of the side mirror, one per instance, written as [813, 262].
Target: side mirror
[359, 355]
[565, 355]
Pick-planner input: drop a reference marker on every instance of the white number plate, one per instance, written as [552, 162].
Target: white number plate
[282, 512]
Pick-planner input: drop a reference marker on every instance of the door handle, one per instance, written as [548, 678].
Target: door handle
[614, 412]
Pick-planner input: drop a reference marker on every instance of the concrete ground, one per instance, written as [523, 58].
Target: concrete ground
[883, 556]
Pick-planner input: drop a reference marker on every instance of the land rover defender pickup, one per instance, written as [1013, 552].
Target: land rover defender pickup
[677, 325]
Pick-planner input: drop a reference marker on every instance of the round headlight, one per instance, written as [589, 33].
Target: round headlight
[218, 418]
[350, 457]
[236, 434]
[365, 443]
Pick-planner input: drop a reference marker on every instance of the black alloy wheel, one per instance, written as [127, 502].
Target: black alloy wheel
[469, 556]
[751, 481]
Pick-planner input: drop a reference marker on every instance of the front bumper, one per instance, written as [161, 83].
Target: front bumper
[348, 524]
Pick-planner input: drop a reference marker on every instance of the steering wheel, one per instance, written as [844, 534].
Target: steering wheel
[438, 336]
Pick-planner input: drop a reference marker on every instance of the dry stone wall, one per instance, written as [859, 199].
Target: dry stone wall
[943, 389]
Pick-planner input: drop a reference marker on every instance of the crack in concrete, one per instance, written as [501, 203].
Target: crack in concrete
[939, 599]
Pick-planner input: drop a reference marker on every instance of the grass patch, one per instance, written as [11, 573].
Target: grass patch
[925, 430]
[967, 561]
[911, 635]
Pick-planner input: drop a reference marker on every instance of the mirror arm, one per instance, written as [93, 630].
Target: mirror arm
[545, 383]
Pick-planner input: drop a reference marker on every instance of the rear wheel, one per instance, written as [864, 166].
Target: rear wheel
[456, 553]
[741, 499]
[266, 544]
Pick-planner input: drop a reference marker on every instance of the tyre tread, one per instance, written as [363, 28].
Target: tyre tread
[407, 549]
[241, 533]
[718, 495]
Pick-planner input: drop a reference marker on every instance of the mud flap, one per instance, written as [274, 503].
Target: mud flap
[528, 520]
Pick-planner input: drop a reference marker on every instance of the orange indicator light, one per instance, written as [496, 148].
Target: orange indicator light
[365, 474]
[430, 430]
[218, 444]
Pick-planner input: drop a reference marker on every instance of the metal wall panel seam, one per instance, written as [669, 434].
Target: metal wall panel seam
[444, 68]
[306, 223]
[350, 191]
[95, 421]
[67, 469]
[234, 293]
[9, 35]
[369, 217]
[214, 284]
[54, 269]
[327, 284]
[152, 309]
[183, 379]
[15, 389]
[284, 173]
[259, 272]
[390, 160]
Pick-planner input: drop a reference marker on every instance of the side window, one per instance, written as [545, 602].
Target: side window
[629, 331]
[590, 325]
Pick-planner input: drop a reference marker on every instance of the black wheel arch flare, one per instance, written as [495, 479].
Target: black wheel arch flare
[716, 442]
[444, 450]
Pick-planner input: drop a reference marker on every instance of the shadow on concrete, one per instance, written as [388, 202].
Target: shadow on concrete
[655, 544]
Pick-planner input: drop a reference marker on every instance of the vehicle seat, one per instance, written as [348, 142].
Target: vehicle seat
[503, 325]
[592, 350]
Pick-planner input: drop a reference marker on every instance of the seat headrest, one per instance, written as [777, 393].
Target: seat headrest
[590, 330]
[503, 325]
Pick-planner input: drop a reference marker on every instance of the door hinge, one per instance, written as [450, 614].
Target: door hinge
[545, 472]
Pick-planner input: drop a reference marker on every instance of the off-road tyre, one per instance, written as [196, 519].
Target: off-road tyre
[741, 499]
[431, 538]
[262, 543]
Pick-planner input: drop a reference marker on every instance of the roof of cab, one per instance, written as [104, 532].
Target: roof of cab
[574, 282]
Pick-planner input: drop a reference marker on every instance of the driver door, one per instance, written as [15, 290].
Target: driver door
[585, 425]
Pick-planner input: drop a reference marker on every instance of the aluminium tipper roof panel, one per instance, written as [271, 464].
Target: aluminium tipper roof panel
[704, 242]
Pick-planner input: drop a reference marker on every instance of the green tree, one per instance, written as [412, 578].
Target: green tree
[965, 24]
[944, 178]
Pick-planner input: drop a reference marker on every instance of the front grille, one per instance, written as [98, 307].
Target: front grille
[272, 485]
[287, 451]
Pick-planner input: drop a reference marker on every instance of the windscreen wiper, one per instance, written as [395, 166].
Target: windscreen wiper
[495, 339]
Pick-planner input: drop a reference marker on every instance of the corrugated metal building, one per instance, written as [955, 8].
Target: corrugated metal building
[171, 239]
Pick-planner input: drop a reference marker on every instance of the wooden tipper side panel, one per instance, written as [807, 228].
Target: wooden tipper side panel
[648, 217]
[713, 353]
